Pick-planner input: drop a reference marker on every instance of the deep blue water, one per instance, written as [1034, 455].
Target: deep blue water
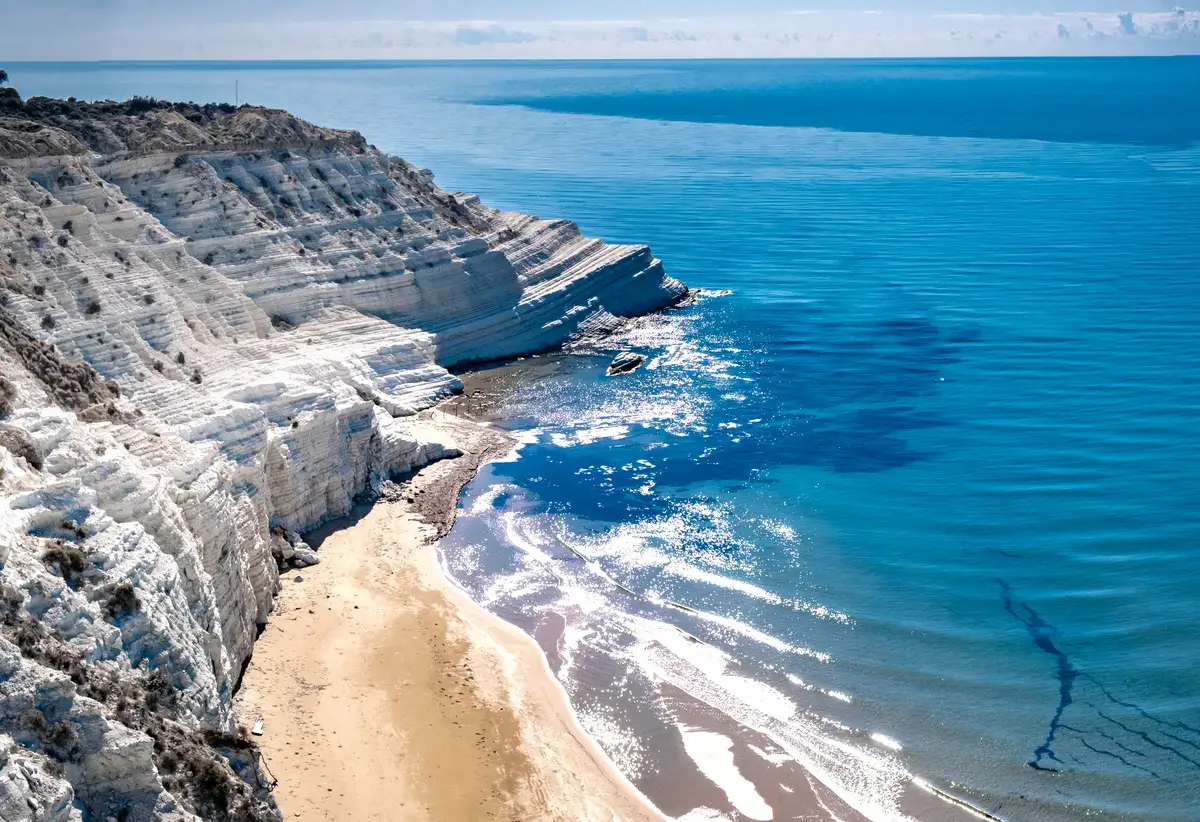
[929, 472]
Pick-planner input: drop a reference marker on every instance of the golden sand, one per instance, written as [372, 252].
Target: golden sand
[387, 694]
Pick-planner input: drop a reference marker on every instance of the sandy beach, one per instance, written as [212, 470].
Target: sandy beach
[386, 693]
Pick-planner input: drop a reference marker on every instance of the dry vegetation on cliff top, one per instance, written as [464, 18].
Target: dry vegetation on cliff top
[43, 126]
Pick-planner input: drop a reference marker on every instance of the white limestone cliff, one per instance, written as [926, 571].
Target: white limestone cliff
[271, 318]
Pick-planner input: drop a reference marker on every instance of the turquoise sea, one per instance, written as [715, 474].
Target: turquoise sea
[915, 504]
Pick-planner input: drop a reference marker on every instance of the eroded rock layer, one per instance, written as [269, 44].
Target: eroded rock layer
[203, 351]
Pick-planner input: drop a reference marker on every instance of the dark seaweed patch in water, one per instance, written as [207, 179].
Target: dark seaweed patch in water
[1043, 634]
[965, 335]
[846, 398]
[1095, 730]
[1162, 723]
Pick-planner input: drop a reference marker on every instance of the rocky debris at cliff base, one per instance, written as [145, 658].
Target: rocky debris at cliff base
[696, 295]
[290, 550]
[625, 363]
[305, 556]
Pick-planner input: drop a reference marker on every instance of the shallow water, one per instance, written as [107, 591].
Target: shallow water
[928, 477]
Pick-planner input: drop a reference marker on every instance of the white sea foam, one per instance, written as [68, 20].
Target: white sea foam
[587, 436]
[573, 637]
[713, 664]
[511, 587]
[703, 814]
[887, 742]
[514, 534]
[750, 632]
[866, 776]
[631, 546]
[713, 755]
[686, 570]
[773, 758]
[523, 438]
[865, 780]
[838, 695]
[488, 497]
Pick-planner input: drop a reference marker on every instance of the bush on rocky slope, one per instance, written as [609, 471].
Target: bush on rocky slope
[73, 385]
[7, 395]
[146, 123]
[215, 775]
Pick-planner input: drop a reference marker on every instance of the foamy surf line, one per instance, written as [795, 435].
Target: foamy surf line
[610, 628]
[670, 654]
[748, 631]
[871, 783]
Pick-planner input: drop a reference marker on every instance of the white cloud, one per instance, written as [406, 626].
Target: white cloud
[800, 33]
[468, 35]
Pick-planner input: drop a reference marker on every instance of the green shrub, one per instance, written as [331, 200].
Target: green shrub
[34, 720]
[122, 602]
[62, 741]
[68, 560]
[8, 393]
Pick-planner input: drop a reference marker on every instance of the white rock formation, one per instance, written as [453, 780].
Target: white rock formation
[31, 790]
[272, 319]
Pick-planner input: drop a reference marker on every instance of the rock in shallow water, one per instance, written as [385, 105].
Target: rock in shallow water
[625, 363]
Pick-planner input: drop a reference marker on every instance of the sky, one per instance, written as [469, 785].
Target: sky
[531, 29]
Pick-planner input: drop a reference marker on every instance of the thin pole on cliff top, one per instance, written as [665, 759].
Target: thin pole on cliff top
[236, 92]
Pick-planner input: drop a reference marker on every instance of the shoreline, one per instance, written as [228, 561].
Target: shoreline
[457, 713]
[386, 692]
[710, 761]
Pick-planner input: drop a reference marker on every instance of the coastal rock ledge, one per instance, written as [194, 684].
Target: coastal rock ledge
[216, 325]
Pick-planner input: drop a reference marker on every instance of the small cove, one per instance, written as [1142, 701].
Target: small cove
[928, 471]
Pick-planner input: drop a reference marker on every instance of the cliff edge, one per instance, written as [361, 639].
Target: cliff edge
[216, 325]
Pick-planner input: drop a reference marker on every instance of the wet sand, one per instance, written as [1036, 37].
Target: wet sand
[387, 694]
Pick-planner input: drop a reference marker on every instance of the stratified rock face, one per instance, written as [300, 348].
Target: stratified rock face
[197, 347]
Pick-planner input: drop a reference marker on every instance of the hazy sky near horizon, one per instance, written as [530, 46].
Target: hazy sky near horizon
[467, 29]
